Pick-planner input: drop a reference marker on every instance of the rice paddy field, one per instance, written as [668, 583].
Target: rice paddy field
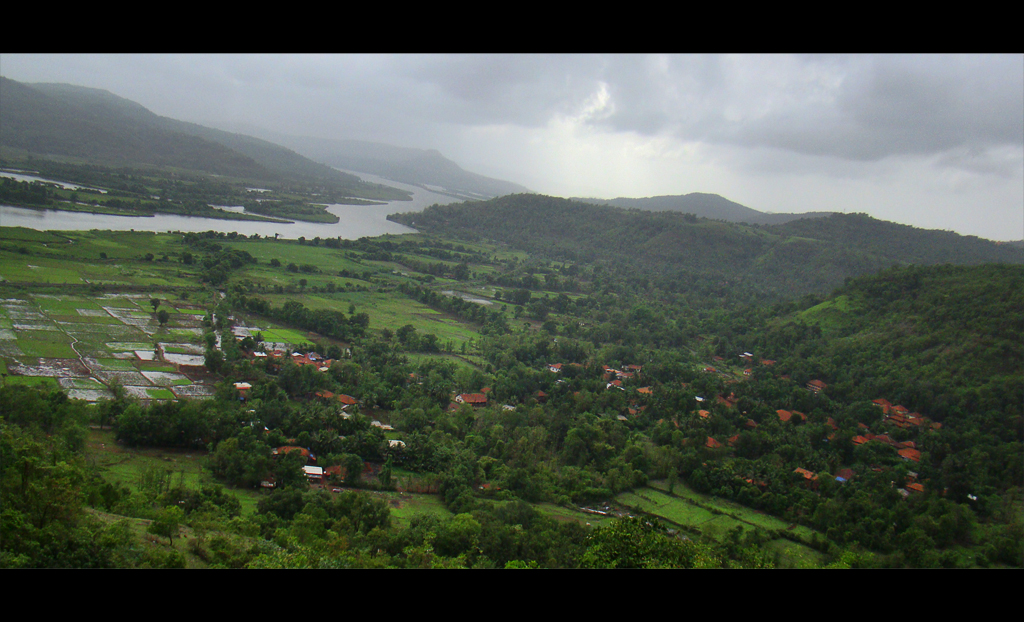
[715, 518]
[83, 344]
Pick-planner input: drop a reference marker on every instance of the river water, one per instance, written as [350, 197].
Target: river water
[356, 220]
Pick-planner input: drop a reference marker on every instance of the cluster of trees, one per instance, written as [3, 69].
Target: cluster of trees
[940, 340]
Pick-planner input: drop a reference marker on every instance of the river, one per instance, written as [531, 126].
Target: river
[356, 220]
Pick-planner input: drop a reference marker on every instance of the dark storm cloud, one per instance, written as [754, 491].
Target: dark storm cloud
[904, 106]
[851, 107]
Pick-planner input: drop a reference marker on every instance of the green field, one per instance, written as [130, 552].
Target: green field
[560, 513]
[74, 336]
[124, 466]
[715, 518]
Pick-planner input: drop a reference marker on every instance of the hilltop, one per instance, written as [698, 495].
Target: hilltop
[704, 205]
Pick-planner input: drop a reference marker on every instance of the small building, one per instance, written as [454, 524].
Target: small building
[308, 455]
[476, 400]
[817, 386]
[910, 454]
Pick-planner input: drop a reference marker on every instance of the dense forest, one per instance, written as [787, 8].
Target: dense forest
[881, 421]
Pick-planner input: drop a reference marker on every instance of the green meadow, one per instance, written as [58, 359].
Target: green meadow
[716, 518]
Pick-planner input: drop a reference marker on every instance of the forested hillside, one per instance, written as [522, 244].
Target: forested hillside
[704, 205]
[96, 126]
[475, 406]
[770, 262]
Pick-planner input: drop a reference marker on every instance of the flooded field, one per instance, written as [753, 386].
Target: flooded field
[86, 344]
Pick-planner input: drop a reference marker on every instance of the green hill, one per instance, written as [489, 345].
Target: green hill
[704, 205]
[778, 261]
[66, 121]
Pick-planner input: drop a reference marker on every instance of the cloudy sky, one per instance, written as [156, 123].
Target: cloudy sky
[932, 141]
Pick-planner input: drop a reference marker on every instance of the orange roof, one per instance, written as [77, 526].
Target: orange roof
[703, 414]
[712, 443]
[473, 398]
[348, 400]
[807, 474]
[910, 454]
[915, 487]
[645, 390]
[289, 449]
[784, 414]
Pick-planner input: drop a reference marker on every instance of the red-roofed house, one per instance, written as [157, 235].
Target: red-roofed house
[475, 400]
[910, 454]
[712, 443]
[816, 386]
[785, 415]
[289, 449]
[807, 474]
[729, 401]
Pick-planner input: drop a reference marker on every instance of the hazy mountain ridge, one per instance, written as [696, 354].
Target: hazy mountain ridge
[65, 120]
[94, 125]
[704, 205]
[426, 168]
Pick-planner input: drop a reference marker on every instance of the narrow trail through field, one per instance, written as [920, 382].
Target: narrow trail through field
[74, 340]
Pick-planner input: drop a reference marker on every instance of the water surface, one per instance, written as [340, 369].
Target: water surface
[356, 221]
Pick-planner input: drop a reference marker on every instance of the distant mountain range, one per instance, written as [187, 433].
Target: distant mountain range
[704, 205]
[95, 126]
[426, 168]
